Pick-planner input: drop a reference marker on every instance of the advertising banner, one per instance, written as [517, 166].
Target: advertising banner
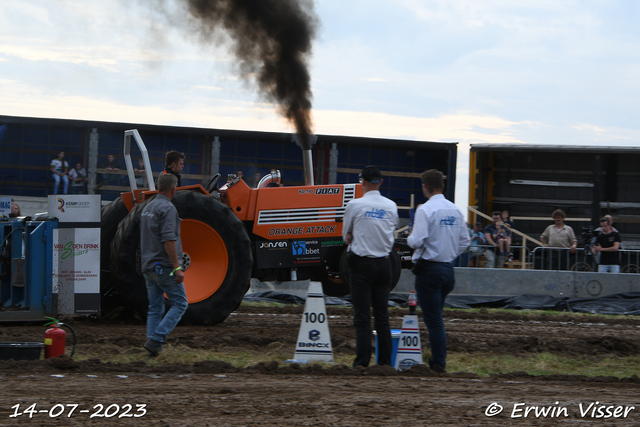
[76, 270]
[5, 206]
[75, 208]
[294, 253]
[76, 253]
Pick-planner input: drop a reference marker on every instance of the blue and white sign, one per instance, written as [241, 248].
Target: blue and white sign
[5, 206]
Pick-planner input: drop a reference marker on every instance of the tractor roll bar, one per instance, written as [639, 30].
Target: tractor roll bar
[145, 158]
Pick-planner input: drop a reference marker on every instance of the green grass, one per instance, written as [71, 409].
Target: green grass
[268, 304]
[525, 313]
[543, 364]
[480, 364]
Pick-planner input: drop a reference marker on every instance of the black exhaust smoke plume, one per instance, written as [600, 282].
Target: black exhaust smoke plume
[271, 40]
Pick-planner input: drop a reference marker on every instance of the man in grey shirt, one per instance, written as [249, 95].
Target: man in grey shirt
[161, 252]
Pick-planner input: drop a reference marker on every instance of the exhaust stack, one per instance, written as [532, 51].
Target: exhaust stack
[307, 164]
[306, 141]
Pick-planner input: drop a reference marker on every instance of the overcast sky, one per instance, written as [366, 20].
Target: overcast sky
[490, 71]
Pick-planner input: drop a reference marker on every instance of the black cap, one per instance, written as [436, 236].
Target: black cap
[371, 174]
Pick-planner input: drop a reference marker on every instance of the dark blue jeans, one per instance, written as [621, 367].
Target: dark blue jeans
[370, 286]
[433, 284]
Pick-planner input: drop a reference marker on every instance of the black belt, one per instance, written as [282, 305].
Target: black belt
[369, 257]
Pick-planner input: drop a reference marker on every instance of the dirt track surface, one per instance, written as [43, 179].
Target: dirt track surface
[268, 394]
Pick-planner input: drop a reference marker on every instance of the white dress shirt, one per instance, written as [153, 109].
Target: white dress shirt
[439, 232]
[371, 220]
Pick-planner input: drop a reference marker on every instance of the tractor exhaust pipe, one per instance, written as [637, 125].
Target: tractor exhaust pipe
[307, 164]
[306, 142]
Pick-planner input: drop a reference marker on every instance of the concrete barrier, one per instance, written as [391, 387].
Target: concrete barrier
[508, 282]
[503, 282]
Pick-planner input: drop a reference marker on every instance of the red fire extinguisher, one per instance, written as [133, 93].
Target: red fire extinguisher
[55, 339]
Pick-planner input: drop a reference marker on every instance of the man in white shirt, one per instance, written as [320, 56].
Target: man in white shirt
[369, 224]
[438, 236]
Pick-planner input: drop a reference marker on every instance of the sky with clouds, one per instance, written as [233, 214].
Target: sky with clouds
[494, 71]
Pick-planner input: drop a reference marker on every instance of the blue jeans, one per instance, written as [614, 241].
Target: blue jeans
[159, 283]
[433, 284]
[370, 282]
[608, 268]
[56, 183]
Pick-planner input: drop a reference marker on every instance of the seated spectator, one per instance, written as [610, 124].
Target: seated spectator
[79, 179]
[503, 237]
[506, 219]
[111, 164]
[477, 240]
[59, 169]
[141, 178]
[256, 179]
[559, 235]
[15, 210]
[495, 235]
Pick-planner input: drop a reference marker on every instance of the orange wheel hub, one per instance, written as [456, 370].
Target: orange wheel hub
[208, 259]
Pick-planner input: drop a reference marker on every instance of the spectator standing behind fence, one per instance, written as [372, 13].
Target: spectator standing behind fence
[59, 169]
[111, 164]
[438, 236]
[559, 235]
[477, 240]
[495, 235]
[140, 174]
[607, 245]
[598, 230]
[79, 179]
[368, 227]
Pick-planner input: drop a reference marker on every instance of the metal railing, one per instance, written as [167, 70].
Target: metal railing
[489, 256]
[525, 238]
[561, 259]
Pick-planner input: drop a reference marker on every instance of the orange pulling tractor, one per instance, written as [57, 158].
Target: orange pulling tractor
[232, 234]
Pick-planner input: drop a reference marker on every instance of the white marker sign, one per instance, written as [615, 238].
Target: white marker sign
[409, 348]
[314, 340]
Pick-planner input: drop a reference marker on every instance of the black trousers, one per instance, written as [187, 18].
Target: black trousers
[370, 287]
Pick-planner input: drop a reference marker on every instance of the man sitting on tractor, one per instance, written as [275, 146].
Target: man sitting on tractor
[174, 162]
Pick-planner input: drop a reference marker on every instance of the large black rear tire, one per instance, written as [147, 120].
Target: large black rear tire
[111, 215]
[217, 258]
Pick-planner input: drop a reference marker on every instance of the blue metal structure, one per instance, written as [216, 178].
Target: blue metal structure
[26, 269]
